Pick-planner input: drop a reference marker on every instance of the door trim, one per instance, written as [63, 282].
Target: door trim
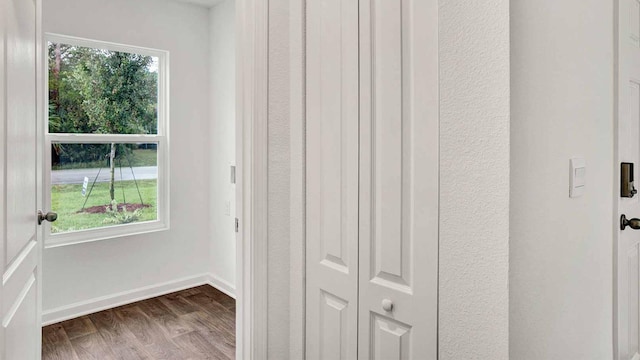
[3, 165]
[616, 339]
[298, 154]
[251, 189]
[41, 98]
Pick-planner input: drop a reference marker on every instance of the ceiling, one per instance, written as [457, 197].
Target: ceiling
[205, 3]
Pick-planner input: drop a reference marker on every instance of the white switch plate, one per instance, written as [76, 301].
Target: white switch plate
[577, 177]
[227, 208]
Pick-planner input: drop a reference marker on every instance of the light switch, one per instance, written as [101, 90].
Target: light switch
[227, 208]
[577, 177]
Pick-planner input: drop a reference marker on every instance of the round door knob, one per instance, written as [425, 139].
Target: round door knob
[387, 305]
[50, 217]
[632, 223]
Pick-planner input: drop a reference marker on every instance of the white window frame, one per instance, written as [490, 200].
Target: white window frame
[161, 138]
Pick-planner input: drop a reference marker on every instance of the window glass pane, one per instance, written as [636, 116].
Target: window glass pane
[96, 91]
[88, 192]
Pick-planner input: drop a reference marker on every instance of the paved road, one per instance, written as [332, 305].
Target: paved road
[76, 176]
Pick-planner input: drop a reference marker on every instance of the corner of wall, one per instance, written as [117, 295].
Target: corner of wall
[222, 253]
[474, 179]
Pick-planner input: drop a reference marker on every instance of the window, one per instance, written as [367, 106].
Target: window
[106, 140]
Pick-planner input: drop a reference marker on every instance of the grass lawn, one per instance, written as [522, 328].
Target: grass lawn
[140, 157]
[67, 201]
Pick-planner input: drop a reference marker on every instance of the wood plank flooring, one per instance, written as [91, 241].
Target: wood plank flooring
[193, 324]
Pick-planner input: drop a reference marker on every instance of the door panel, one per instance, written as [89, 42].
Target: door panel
[334, 315]
[21, 99]
[389, 258]
[20, 256]
[390, 339]
[398, 179]
[21, 344]
[390, 249]
[632, 301]
[332, 179]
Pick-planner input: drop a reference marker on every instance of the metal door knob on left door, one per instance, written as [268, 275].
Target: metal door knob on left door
[632, 223]
[50, 217]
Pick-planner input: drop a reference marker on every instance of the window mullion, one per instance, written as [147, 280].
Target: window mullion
[103, 138]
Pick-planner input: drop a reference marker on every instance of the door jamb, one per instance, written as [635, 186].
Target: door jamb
[616, 179]
[3, 124]
[251, 188]
[41, 96]
[297, 180]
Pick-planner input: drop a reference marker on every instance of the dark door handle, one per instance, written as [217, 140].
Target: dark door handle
[632, 223]
[50, 217]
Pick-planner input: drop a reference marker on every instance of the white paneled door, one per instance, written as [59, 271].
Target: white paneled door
[20, 250]
[372, 179]
[332, 179]
[398, 179]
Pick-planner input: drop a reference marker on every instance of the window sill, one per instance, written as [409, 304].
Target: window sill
[111, 232]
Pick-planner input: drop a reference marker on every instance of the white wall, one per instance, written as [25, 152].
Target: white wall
[279, 170]
[561, 248]
[222, 134]
[82, 272]
[474, 179]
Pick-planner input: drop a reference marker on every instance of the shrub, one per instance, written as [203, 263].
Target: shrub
[120, 217]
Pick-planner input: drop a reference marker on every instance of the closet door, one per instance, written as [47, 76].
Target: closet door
[398, 179]
[332, 179]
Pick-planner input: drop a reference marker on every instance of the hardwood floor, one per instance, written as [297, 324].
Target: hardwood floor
[197, 323]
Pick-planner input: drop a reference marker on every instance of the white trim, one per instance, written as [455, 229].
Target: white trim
[102, 138]
[3, 165]
[91, 306]
[222, 285]
[297, 197]
[104, 233]
[41, 113]
[99, 44]
[618, 345]
[161, 138]
[251, 190]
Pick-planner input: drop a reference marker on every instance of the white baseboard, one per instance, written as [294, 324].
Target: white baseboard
[222, 285]
[126, 297]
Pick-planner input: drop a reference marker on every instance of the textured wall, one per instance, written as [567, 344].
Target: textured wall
[222, 84]
[561, 248]
[474, 179]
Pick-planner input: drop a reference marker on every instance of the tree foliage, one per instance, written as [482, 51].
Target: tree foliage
[95, 91]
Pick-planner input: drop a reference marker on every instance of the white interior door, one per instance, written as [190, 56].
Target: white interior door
[398, 179]
[372, 179]
[20, 254]
[332, 179]
[628, 150]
